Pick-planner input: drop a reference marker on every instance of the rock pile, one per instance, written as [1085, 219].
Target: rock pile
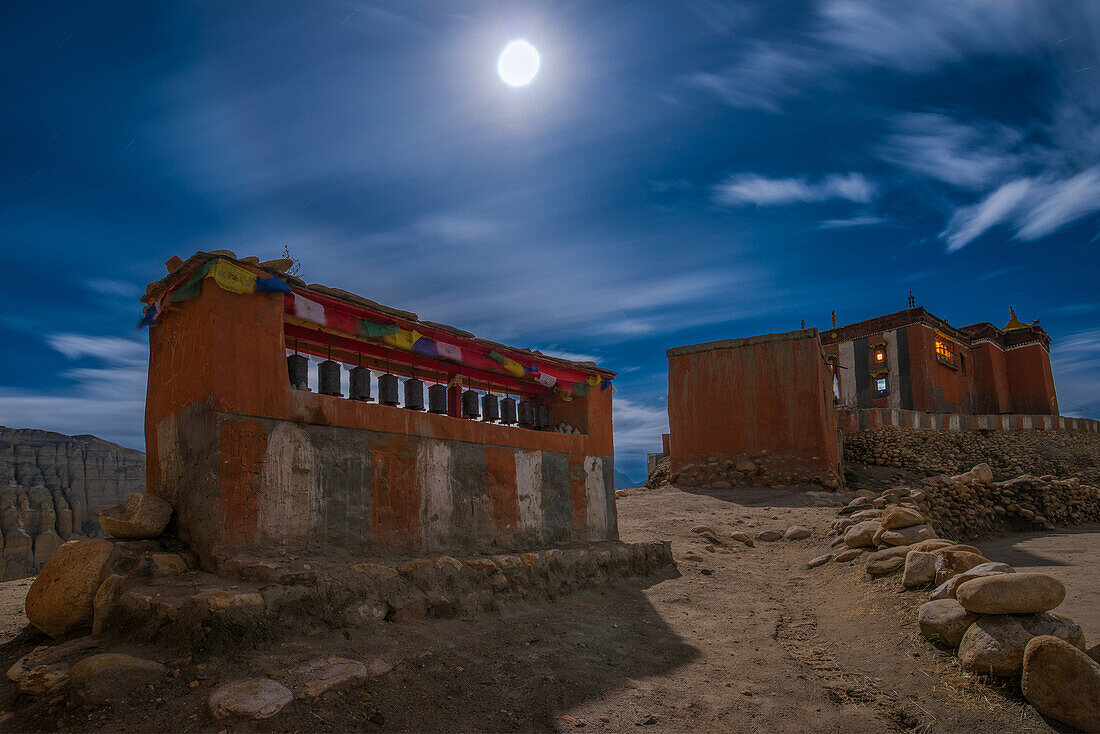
[762, 470]
[659, 477]
[1000, 622]
[968, 505]
[1009, 453]
[52, 487]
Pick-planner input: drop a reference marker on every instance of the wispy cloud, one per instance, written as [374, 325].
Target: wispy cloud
[1075, 359]
[749, 188]
[864, 221]
[106, 397]
[638, 429]
[761, 78]
[1035, 207]
[966, 155]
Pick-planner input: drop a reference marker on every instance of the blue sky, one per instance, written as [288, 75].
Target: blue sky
[678, 172]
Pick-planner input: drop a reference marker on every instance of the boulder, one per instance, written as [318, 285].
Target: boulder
[1011, 593]
[962, 547]
[819, 560]
[899, 516]
[950, 563]
[60, 599]
[981, 473]
[945, 621]
[768, 536]
[884, 562]
[1062, 682]
[331, 673]
[908, 535]
[142, 515]
[920, 569]
[861, 534]
[994, 644]
[45, 680]
[931, 544]
[111, 676]
[255, 698]
[849, 555]
[947, 589]
[797, 532]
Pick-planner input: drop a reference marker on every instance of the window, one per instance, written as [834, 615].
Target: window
[945, 351]
[880, 356]
[880, 385]
[962, 363]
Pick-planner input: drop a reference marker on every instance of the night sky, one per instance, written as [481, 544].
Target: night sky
[677, 172]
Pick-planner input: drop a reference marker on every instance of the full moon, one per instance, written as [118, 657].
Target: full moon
[518, 63]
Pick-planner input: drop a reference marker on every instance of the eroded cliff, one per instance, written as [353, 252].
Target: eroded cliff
[52, 488]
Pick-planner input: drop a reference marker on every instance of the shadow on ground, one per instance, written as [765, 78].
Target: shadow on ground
[518, 669]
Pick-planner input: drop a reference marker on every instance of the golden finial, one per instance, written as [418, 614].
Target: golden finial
[834, 318]
[1013, 322]
[912, 301]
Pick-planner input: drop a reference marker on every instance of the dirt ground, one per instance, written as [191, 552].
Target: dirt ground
[744, 641]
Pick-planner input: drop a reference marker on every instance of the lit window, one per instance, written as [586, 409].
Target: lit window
[880, 356]
[945, 351]
[880, 384]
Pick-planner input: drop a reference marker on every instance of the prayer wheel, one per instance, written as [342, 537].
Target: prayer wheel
[469, 405]
[527, 414]
[388, 390]
[542, 417]
[490, 408]
[297, 366]
[359, 383]
[508, 411]
[328, 378]
[414, 394]
[437, 399]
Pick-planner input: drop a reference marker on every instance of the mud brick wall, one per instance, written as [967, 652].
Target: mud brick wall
[743, 404]
[251, 464]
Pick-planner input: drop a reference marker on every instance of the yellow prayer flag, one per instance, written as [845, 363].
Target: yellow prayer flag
[402, 339]
[232, 278]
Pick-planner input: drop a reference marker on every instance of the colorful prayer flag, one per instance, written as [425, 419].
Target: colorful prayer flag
[271, 284]
[424, 346]
[449, 351]
[308, 310]
[232, 278]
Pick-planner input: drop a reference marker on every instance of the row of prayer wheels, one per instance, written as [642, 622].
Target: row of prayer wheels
[490, 408]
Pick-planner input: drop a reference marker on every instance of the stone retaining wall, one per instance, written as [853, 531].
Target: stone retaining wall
[1058, 453]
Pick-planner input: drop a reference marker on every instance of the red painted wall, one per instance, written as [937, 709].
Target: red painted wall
[742, 397]
[1030, 380]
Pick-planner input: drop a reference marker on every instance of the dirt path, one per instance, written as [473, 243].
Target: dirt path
[747, 641]
[12, 616]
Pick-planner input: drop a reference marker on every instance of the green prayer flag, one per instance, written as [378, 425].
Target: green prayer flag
[193, 286]
[376, 331]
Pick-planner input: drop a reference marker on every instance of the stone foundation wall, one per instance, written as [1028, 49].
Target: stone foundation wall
[253, 599]
[1058, 453]
[762, 470]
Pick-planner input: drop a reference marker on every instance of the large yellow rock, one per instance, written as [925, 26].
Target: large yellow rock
[60, 599]
[1011, 593]
[1062, 682]
[142, 515]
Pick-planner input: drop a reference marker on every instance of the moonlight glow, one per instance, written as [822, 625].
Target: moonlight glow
[518, 63]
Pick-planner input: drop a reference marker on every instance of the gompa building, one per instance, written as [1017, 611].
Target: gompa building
[281, 415]
[773, 409]
[913, 360]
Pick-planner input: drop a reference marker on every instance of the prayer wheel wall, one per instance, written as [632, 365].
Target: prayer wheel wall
[252, 465]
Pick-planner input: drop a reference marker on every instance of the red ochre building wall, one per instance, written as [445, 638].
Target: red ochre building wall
[744, 397]
[251, 464]
[985, 379]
